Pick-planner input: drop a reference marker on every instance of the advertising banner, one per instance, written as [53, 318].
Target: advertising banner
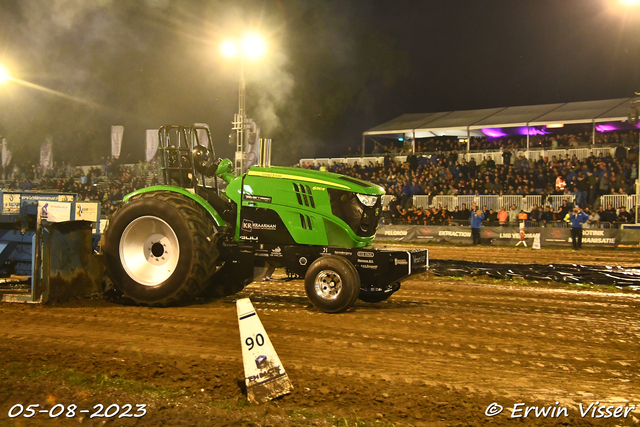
[551, 236]
[46, 153]
[152, 144]
[11, 203]
[54, 211]
[252, 145]
[116, 140]
[6, 154]
[86, 211]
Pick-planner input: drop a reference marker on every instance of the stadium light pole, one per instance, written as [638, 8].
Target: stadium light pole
[252, 47]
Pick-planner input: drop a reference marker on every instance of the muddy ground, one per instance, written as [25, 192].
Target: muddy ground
[437, 353]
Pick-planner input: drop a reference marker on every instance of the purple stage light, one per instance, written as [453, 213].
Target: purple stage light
[493, 133]
[605, 128]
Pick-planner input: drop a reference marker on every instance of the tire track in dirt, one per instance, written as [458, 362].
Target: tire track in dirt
[509, 341]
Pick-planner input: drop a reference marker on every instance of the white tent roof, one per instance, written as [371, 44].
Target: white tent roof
[461, 123]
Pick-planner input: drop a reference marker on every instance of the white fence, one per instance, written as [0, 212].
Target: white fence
[556, 200]
[491, 202]
[422, 201]
[525, 203]
[528, 202]
[580, 153]
[618, 201]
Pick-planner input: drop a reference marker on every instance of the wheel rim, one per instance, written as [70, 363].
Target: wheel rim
[149, 250]
[328, 285]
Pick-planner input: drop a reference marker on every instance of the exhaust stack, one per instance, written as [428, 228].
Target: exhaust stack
[265, 153]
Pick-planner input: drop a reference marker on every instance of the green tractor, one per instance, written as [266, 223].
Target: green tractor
[171, 243]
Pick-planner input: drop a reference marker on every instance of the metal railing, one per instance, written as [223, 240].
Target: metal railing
[556, 200]
[618, 200]
[525, 203]
[491, 202]
[478, 156]
[528, 202]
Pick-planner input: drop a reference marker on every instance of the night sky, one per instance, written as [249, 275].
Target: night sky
[333, 68]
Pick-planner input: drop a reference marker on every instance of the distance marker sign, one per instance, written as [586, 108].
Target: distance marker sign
[264, 374]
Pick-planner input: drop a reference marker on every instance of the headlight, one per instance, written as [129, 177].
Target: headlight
[367, 200]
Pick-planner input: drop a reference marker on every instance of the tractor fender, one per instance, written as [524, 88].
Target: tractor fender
[214, 214]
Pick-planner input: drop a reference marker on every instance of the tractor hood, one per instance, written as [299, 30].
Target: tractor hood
[317, 178]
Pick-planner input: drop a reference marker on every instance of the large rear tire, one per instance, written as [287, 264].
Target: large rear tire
[160, 248]
[332, 284]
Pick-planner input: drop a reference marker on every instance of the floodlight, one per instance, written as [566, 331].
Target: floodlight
[253, 46]
[229, 48]
[4, 74]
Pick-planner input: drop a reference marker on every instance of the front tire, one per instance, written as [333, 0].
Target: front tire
[160, 248]
[332, 284]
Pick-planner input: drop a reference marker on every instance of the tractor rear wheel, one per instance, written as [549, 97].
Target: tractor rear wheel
[160, 248]
[332, 283]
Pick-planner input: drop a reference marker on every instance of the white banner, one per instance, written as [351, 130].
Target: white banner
[116, 140]
[203, 138]
[6, 154]
[87, 211]
[53, 211]
[252, 143]
[46, 153]
[152, 143]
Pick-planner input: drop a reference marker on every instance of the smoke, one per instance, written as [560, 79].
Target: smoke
[156, 62]
[272, 84]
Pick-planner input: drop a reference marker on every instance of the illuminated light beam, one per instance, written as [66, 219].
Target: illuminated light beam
[493, 133]
[53, 92]
[4, 75]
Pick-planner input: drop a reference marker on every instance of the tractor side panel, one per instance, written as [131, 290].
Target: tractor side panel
[304, 209]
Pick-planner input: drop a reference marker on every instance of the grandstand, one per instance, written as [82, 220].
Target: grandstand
[584, 153]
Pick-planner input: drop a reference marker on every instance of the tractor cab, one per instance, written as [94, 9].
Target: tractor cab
[188, 160]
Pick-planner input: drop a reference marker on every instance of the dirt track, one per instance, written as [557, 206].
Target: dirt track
[437, 353]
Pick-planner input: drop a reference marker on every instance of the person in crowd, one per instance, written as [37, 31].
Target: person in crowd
[404, 216]
[506, 157]
[609, 215]
[513, 214]
[522, 216]
[548, 217]
[503, 216]
[455, 214]
[394, 208]
[535, 214]
[492, 217]
[620, 153]
[594, 216]
[560, 184]
[624, 217]
[577, 218]
[477, 216]
[464, 212]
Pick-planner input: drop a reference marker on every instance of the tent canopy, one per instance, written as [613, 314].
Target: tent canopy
[469, 122]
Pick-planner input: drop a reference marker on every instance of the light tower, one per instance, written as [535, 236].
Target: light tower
[252, 47]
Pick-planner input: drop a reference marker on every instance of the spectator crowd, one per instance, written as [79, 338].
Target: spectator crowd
[545, 141]
[107, 183]
[449, 173]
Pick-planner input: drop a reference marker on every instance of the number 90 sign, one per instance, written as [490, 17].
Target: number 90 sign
[250, 342]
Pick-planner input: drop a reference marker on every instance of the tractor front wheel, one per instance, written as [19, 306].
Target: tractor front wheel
[332, 284]
[160, 248]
